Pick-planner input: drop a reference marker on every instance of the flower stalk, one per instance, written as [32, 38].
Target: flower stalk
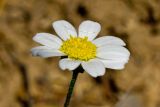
[71, 87]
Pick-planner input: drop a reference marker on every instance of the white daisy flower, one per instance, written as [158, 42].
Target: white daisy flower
[94, 55]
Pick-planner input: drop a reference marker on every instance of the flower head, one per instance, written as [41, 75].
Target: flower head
[82, 49]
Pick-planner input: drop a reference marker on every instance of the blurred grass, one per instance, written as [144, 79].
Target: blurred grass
[2, 5]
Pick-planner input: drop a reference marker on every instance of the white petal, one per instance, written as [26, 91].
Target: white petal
[114, 64]
[48, 40]
[113, 52]
[68, 64]
[89, 29]
[64, 29]
[94, 67]
[46, 52]
[108, 40]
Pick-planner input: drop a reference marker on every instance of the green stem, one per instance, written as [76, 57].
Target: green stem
[71, 87]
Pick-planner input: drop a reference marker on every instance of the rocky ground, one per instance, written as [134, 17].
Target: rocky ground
[27, 81]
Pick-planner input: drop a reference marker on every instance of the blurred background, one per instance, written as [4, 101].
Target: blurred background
[27, 81]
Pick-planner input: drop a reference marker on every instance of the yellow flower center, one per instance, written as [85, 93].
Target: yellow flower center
[79, 48]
